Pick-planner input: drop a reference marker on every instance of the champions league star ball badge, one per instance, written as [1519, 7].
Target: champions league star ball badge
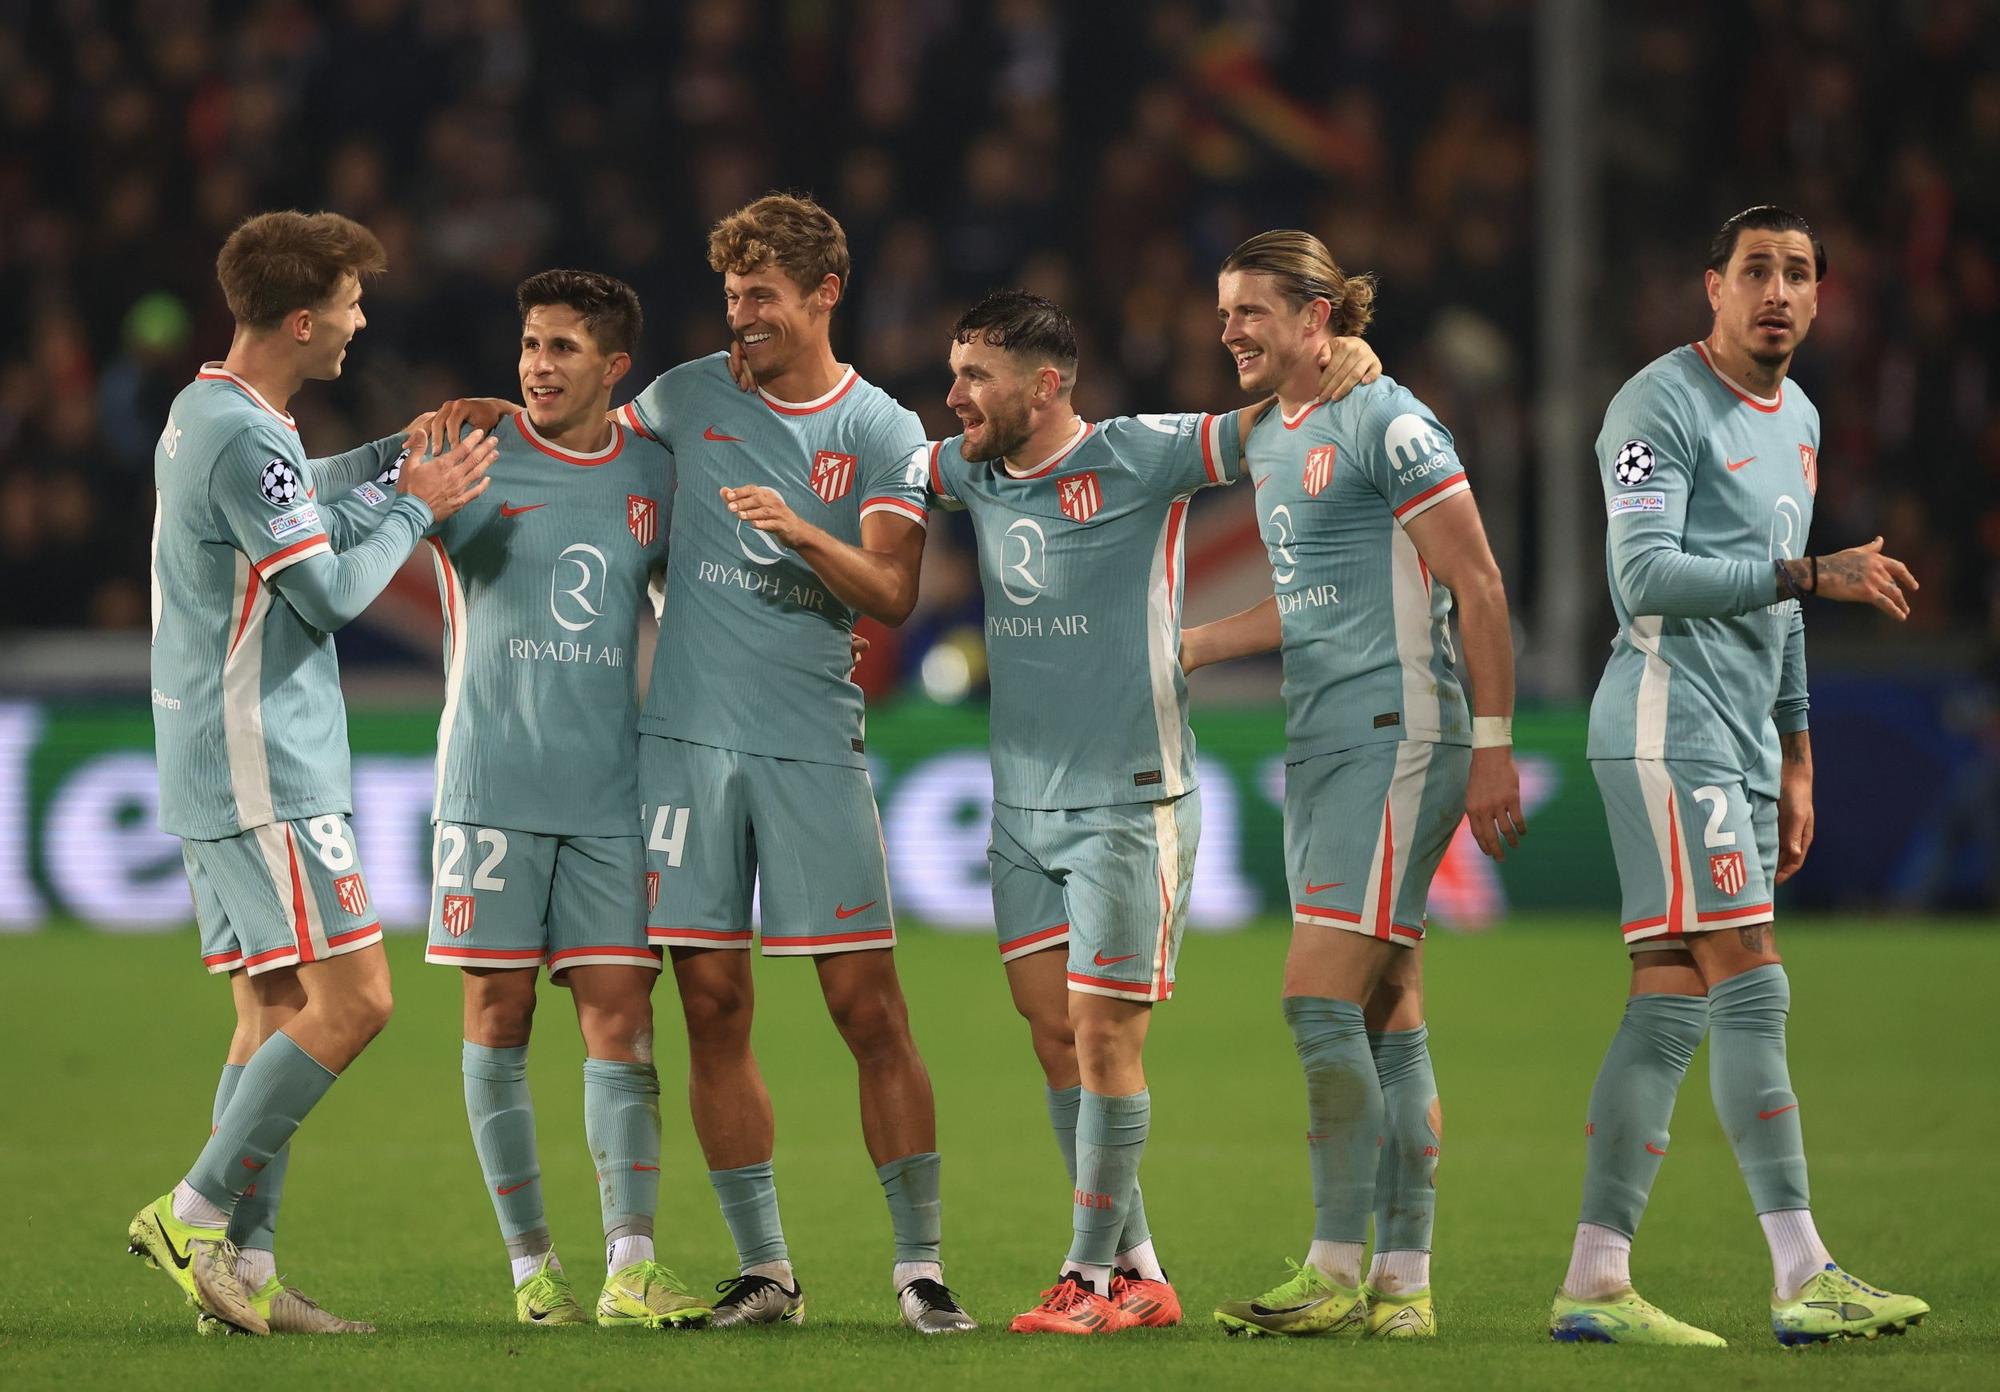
[279, 483]
[1634, 464]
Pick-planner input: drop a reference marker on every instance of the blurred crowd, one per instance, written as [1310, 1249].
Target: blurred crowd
[1107, 154]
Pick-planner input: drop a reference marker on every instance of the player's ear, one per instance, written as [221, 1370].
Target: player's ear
[827, 295]
[1048, 386]
[615, 368]
[298, 326]
[1712, 282]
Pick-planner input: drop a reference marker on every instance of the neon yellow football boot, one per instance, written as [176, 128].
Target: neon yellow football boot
[1833, 1305]
[1405, 1316]
[287, 1311]
[645, 1295]
[201, 1261]
[545, 1298]
[1306, 1304]
[1624, 1318]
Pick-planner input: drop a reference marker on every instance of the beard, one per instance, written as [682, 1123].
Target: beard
[1006, 433]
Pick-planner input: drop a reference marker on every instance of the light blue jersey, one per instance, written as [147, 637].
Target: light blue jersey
[1081, 556]
[248, 719]
[1705, 485]
[754, 651]
[1366, 632]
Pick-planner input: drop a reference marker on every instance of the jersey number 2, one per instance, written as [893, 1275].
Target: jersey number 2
[451, 853]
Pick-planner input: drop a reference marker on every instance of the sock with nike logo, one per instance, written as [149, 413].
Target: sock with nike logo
[1110, 1139]
[502, 1115]
[1631, 1105]
[749, 1198]
[1752, 1085]
[1343, 1113]
[253, 1227]
[621, 1118]
[1063, 1104]
[911, 1185]
[280, 1084]
[1406, 1173]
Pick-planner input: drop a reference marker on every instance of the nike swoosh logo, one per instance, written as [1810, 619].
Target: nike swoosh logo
[1312, 888]
[716, 435]
[181, 1259]
[510, 1188]
[1766, 1116]
[250, 1164]
[1737, 465]
[509, 510]
[1104, 961]
[1260, 483]
[1652, 1149]
[638, 1168]
[842, 911]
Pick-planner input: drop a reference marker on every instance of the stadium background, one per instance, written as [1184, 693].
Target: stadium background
[1533, 183]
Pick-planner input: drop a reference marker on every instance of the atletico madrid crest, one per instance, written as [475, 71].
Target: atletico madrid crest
[1319, 469]
[457, 914]
[642, 517]
[652, 890]
[832, 475]
[1079, 496]
[1809, 465]
[1726, 869]
[352, 894]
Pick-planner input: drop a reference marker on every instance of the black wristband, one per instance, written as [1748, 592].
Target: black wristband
[1785, 584]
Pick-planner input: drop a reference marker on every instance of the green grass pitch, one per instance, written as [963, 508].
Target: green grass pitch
[111, 1046]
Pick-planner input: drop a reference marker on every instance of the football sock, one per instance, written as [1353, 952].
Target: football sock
[1797, 1254]
[1631, 1104]
[279, 1085]
[621, 1119]
[1344, 1115]
[1098, 1278]
[255, 1266]
[779, 1271]
[1339, 1262]
[253, 1226]
[621, 1252]
[503, 1136]
[1600, 1264]
[1400, 1273]
[1063, 1104]
[1110, 1139]
[1142, 1259]
[524, 1263]
[905, 1272]
[1406, 1172]
[749, 1199]
[1752, 1086]
[911, 1186]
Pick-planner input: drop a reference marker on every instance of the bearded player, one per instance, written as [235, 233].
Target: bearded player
[1372, 532]
[248, 583]
[1699, 740]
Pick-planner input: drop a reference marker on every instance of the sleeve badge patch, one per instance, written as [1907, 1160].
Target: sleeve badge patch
[280, 484]
[1633, 464]
[1637, 502]
[370, 494]
[388, 477]
[287, 525]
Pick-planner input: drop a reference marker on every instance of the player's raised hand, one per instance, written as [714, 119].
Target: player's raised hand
[1862, 575]
[1493, 801]
[447, 482]
[1345, 364]
[765, 510]
[449, 421]
[739, 369]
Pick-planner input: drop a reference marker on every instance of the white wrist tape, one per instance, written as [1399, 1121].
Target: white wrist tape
[1492, 731]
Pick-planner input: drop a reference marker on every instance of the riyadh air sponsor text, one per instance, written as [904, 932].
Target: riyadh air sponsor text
[778, 587]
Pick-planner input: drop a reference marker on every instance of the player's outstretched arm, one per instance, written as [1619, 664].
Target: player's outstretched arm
[328, 590]
[443, 426]
[1250, 631]
[1858, 575]
[878, 577]
[1452, 543]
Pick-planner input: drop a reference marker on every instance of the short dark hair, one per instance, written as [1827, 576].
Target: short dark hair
[1026, 325]
[610, 307]
[1764, 217]
[275, 263]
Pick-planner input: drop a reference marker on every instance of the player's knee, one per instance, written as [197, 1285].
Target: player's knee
[502, 1022]
[369, 1009]
[717, 1014]
[869, 1020]
[1103, 1044]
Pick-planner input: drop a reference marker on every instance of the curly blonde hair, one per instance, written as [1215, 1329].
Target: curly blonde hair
[794, 234]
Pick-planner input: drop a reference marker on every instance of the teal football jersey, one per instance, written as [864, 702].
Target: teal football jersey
[753, 651]
[1080, 560]
[542, 579]
[1705, 485]
[1367, 634]
[248, 721]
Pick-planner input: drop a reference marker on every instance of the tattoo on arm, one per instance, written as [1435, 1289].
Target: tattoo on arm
[1796, 748]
